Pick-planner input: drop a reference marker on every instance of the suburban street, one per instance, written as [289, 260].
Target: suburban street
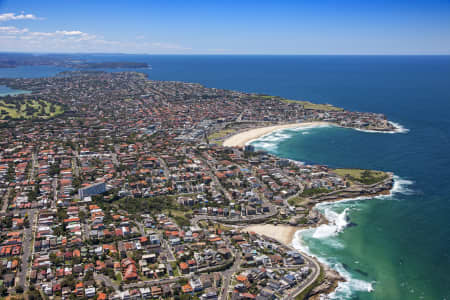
[5, 201]
[108, 281]
[228, 274]
[315, 272]
[27, 244]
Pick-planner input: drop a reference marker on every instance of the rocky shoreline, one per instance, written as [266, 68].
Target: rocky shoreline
[381, 188]
[331, 277]
[329, 284]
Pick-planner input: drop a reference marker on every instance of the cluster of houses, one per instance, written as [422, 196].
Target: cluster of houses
[66, 184]
[269, 270]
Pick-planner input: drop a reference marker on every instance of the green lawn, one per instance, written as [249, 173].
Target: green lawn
[118, 279]
[306, 104]
[314, 191]
[177, 212]
[41, 109]
[362, 176]
[296, 200]
[302, 198]
[220, 135]
[310, 105]
[174, 266]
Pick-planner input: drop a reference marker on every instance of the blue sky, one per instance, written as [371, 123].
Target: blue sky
[226, 27]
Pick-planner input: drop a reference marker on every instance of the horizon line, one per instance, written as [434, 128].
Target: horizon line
[229, 54]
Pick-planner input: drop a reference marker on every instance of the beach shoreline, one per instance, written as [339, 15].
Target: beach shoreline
[285, 234]
[290, 236]
[334, 276]
[243, 138]
[282, 233]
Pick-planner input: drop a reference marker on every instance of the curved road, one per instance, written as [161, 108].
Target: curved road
[312, 277]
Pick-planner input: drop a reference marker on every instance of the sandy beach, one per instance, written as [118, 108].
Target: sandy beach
[242, 138]
[282, 233]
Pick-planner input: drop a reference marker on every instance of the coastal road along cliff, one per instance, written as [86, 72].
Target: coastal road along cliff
[312, 277]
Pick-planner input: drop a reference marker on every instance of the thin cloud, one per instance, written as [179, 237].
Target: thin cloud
[69, 33]
[13, 38]
[13, 17]
[22, 39]
[64, 33]
[11, 30]
[170, 46]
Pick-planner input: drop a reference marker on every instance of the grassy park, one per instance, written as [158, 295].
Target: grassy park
[310, 105]
[217, 137]
[29, 109]
[362, 176]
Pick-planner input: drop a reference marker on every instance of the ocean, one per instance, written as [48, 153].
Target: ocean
[391, 247]
[4, 91]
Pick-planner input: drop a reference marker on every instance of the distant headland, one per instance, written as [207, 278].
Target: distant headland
[14, 60]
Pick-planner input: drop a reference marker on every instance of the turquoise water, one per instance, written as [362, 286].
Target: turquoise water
[374, 265]
[400, 246]
[4, 91]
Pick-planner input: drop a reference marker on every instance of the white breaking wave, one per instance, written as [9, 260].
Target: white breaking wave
[327, 233]
[305, 128]
[398, 129]
[266, 145]
[344, 289]
[401, 186]
[338, 221]
[271, 140]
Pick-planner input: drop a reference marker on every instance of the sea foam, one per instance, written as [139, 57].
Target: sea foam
[344, 289]
[398, 129]
[337, 221]
[271, 140]
[327, 233]
[401, 186]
